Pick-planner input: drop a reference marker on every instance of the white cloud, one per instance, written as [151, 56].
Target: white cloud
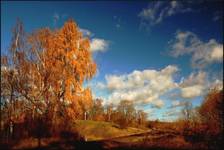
[218, 84]
[142, 87]
[98, 45]
[192, 91]
[100, 85]
[203, 53]
[150, 87]
[198, 84]
[217, 53]
[138, 79]
[179, 47]
[158, 103]
[190, 87]
[193, 86]
[157, 11]
[86, 32]
[175, 103]
[198, 78]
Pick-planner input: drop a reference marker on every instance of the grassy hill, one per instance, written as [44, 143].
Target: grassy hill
[96, 130]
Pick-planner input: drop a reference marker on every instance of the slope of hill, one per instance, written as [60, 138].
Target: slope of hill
[97, 130]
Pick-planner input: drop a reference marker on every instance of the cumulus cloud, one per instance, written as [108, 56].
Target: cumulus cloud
[142, 87]
[194, 78]
[150, 87]
[157, 11]
[98, 45]
[157, 103]
[203, 53]
[192, 91]
[193, 86]
[217, 84]
[217, 53]
[198, 84]
[138, 79]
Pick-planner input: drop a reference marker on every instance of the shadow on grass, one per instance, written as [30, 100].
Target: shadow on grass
[92, 145]
[76, 145]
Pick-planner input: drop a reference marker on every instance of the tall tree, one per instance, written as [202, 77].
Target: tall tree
[187, 111]
[211, 111]
[126, 113]
[141, 116]
[97, 111]
[64, 62]
[46, 69]
[109, 111]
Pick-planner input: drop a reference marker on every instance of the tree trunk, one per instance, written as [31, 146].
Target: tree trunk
[39, 142]
[1, 118]
[85, 115]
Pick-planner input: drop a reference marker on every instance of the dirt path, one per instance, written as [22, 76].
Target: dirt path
[124, 136]
[151, 133]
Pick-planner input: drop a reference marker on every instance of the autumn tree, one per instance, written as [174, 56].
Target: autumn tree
[205, 123]
[86, 103]
[10, 77]
[64, 62]
[46, 70]
[126, 113]
[187, 111]
[211, 112]
[141, 117]
[109, 111]
[97, 111]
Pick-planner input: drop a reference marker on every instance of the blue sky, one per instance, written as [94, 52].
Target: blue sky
[141, 45]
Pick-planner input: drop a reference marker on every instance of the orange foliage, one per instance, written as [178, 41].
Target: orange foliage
[67, 59]
[45, 71]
